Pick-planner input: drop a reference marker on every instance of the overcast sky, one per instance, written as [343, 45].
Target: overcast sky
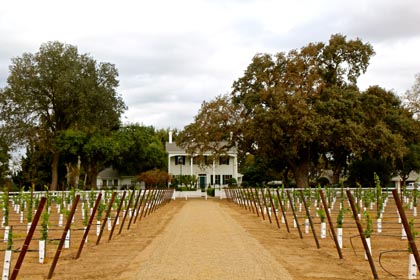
[173, 55]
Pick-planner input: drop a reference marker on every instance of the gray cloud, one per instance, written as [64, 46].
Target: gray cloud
[172, 56]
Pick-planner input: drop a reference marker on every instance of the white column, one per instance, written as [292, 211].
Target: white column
[235, 168]
[214, 173]
[191, 162]
[169, 164]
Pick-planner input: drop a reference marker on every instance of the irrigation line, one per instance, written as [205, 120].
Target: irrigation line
[385, 252]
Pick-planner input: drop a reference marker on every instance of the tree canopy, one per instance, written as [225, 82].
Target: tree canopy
[57, 89]
[302, 110]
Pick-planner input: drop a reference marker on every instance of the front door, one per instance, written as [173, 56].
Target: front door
[202, 180]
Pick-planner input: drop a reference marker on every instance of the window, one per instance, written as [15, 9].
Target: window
[226, 179]
[217, 180]
[224, 160]
[110, 182]
[180, 160]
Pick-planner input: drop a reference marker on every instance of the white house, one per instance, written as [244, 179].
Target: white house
[110, 178]
[209, 170]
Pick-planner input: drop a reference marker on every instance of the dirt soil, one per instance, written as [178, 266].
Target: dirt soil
[214, 239]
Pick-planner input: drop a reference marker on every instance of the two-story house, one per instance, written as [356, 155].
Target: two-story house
[210, 170]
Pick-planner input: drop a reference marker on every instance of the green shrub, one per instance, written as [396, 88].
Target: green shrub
[210, 191]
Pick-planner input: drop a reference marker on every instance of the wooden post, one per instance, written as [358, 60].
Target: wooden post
[250, 200]
[265, 205]
[406, 225]
[253, 200]
[308, 214]
[134, 209]
[108, 212]
[126, 211]
[259, 203]
[116, 216]
[152, 201]
[91, 218]
[282, 210]
[324, 202]
[28, 239]
[362, 235]
[273, 208]
[294, 213]
[247, 200]
[63, 237]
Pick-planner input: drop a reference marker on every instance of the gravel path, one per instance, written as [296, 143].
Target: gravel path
[203, 241]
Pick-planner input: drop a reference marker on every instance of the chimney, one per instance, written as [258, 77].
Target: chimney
[170, 136]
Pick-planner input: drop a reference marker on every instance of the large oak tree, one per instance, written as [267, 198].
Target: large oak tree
[57, 89]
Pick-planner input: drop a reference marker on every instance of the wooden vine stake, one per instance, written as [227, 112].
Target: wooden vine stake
[362, 235]
[308, 214]
[410, 237]
[337, 245]
[92, 216]
[28, 239]
[294, 213]
[106, 217]
[63, 237]
[117, 215]
[282, 210]
[127, 210]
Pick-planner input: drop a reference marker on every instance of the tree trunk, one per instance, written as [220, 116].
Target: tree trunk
[286, 177]
[336, 174]
[301, 172]
[93, 174]
[54, 171]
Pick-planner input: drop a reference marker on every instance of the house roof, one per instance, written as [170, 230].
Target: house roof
[414, 176]
[174, 148]
[108, 173]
